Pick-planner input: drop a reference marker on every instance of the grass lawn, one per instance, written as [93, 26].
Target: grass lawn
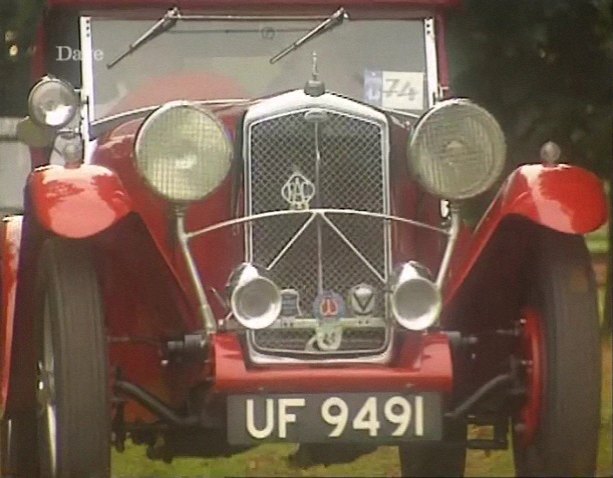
[271, 460]
[597, 241]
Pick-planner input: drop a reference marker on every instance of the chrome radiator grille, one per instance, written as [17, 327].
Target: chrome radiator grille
[351, 175]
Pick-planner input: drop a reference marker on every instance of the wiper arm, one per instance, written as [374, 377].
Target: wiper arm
[163, 24]
[329, 23]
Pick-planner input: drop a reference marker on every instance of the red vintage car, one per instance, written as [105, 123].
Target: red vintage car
[246, 226]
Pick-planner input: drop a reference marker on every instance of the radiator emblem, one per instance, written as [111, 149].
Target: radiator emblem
[298, 191]
[362, 300]
[329, 307]
[290, 303]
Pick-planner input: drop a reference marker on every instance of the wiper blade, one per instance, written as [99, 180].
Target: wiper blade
[163, 24]
[329, 23]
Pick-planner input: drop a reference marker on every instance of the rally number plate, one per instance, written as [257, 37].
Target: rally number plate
[344, 417]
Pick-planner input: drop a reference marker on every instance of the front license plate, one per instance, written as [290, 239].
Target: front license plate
[344, 417]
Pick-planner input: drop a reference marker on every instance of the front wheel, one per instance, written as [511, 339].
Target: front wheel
[17, 433]
[556, 430]
[72, 381]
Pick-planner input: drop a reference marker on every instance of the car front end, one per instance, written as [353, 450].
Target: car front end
[267, 214]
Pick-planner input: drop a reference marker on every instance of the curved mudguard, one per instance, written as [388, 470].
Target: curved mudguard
[10, 235]
[77, 202]
[565, 198]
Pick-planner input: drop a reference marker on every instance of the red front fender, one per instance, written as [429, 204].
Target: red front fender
[77, 202]
[566, 198]
[9, 255]
[563, 197]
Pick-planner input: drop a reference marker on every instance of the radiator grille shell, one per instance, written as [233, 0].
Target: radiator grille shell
[352, 174]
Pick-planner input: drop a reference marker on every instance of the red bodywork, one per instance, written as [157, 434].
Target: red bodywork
[11, 237]
[423, 363]
[562, 197]
[148, 296]
[77, 202]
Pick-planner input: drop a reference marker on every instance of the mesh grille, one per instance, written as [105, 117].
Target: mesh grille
[351, 176]
[297, 340]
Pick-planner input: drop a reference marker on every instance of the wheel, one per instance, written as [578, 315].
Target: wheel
[17, 433]
[444, 458]
[73, 416]
[555, 433]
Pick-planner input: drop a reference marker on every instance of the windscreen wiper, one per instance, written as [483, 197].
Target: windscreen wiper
[165, 23]
[328, 24]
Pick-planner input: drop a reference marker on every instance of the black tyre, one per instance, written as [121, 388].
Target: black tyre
[556, 431]
[445, 458]
[17, 434]
[72, 389]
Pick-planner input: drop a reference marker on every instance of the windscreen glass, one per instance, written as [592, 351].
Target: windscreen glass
[381, 62]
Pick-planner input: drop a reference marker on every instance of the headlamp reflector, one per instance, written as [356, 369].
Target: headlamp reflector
[457, 150]
[52, 102]
[183, 152]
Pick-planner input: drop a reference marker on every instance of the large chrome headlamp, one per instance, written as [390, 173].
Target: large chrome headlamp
[52, 102]
[182, 151]
[415, 300]
[254, 298]
[457, 150]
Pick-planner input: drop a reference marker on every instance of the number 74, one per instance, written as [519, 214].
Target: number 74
[398, 87]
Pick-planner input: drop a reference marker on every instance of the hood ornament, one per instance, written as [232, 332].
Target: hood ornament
[314, 87]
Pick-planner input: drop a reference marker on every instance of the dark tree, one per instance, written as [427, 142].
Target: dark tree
[544, 68]
[18, 21]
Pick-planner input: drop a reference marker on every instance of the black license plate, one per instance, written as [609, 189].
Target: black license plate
[344, 417]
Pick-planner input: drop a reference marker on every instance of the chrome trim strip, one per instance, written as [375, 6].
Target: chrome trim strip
[291, 241]
[87, 86]
[208, 319]
[431, 61]
[454, 232]
[246, 149]
[264, 215]
[387, 208]
[312, 323]
[402, 113]
[97, 126]
[284, 323]
[320, 262]
[271, 18]
[297, 101]
[258, 358]
[353, 248]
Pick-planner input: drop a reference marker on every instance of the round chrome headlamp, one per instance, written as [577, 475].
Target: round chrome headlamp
[416, 300]
[52, 102]
[457, 150]
[254, 298]
[183, 152]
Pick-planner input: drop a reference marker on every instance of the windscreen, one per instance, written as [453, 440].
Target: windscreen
[381, 62]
